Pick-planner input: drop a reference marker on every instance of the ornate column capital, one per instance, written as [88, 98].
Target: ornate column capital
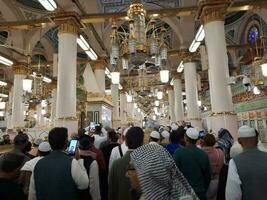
[69, 22]
[212, 10]
[176, 75]
[169, 87]
[20, 68]
[54, 84]
[187, 56]
[99, 64]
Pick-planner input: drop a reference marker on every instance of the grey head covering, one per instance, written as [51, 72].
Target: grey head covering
[158, 175]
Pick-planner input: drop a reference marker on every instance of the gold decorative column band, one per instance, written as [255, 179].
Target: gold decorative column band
[187, 56]
[99, 64]
[20, 68]
[176, 75]
[68, 28]
[169, 87]
[72, 118]
[212, 10]
[69, 22]
[219, 114]
[196, 119]
[54, 84]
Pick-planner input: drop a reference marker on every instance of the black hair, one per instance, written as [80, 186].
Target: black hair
[42, 153]
[85, 142]
[209, 140]
[174, 137]
[81, 132]
[98, 130]
[154, 139]
[28, 147]
[191, 141]
[21, 139]
[113, 136]
[11, 162]
[58, 138]
[134, 137]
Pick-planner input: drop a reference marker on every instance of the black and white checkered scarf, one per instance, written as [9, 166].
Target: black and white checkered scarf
[159, 177]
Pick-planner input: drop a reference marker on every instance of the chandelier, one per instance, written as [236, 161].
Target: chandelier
[35, 88]
[141, 42]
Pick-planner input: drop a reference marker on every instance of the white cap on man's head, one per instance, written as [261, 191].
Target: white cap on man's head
[174, 126]
[44, 147]
[246, 131]
[165, 134]
[155, 134]
[192, 133]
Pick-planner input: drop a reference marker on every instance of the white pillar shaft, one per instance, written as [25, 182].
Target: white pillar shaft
[100, 78]
[8, 108]
[39, 114]
[115, 101]
[17, 105]
[190, 76]
[171, 105]
[220, 91]
[178, 100]
[53, 104]
[66, 84]
[123, 107]
[130, 109]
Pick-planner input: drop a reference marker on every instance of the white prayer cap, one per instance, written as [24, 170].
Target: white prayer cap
[246, 131]
[165, 134]
[44, 147]
[155, 134]
[174, 126]
[192, 133]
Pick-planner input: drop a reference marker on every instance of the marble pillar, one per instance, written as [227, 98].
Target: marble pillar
[99, 71]
[66, 82]
[115, 102]
[171, 104]
[123, 108]
[20, 71]
[178, 98]
[191, 91]
[220, 92]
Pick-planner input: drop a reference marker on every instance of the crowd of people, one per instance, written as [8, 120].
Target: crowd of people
[176, 162]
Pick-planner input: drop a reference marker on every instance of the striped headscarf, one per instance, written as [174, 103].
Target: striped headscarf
[158, 175]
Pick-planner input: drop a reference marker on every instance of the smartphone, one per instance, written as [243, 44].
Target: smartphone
[72, 147]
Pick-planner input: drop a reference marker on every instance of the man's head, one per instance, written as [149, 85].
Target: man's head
[191, 136]
[86, 142]
[112, 136]
[154, 137]
[81, 132]
[209, 140]
[21, 141]
[247, 137]
[98, 130]
[10, 165]
[58, 138]
[134, 137]
[44, 149]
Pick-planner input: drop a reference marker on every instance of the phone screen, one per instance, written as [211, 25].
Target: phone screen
[72, 147]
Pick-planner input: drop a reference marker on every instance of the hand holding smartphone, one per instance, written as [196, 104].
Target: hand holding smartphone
[72, 147]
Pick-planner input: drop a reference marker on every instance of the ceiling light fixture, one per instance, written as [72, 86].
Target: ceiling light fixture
[2, 83]
[180, 68]
[164, 76]
[5, 61]
[197, 40]
[49, 5]
[115, 77]
[3, 95]
[86, 47]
